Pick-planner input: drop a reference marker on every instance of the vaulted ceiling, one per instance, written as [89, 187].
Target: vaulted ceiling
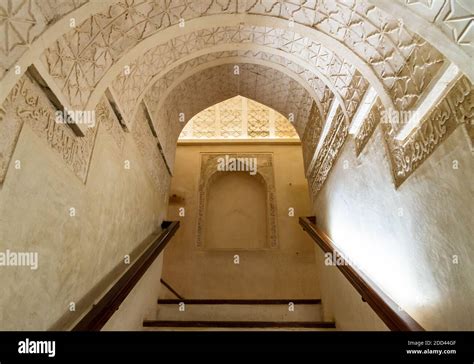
[176, 58]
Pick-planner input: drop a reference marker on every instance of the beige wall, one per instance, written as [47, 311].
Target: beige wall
[414, 232]
[236, 212]
[116, 210]
[141, 302]
[288, 271]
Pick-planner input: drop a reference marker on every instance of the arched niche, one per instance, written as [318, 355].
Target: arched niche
[212, 175]
[236, 212]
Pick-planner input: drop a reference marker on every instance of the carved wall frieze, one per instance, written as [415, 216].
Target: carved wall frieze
[328, 154]
[311, 136]
[456, 109]
[265, 173]
[152, 158]
[107, 119]
[368, 127]
[422, 65]
[27, 104]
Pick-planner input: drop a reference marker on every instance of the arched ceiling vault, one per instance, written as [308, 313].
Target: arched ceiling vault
[158, 94]
[211, 85]
[334, 70]
[295, 52]
[314, 56]
[354, 30]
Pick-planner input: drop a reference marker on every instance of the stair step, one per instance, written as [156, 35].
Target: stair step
[299, 301]
[239, 324]
[238, 311]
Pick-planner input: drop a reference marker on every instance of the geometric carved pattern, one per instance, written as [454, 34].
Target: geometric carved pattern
[226, 120]
[105, 37]
[258, 119]
[77, 61]
[23, 21]
[203, 125]
[152, 62]
[264, 172]
[450, 16]
[283, 128]
[421, 66]
[106, 118]
[355, 91]
[231, 119]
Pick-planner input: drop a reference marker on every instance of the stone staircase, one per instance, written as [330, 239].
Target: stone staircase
[222, 314]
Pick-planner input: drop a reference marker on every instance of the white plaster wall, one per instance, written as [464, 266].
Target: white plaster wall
[342, 303]
[116, 210]
[404, 239]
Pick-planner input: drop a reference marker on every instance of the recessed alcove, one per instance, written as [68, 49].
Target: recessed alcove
[236, 212]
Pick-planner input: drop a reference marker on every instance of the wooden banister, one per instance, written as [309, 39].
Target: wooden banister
[101, 312]
[389, 312]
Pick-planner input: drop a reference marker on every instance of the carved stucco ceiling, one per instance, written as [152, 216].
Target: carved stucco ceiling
[88, 57]
[238, 118]
[219, 83]
[310, 59]
[157, 94]
[302, 58]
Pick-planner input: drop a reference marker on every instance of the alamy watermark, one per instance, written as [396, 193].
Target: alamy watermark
[336, 258]
[46, 347]
[86, 117]
[10, 258]
[393, 116]
[237, 164]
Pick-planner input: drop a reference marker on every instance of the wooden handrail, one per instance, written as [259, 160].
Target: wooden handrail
[101, 312]
[389, 312]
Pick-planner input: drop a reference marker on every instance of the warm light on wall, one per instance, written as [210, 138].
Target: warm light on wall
[238, 118]
[381, 257]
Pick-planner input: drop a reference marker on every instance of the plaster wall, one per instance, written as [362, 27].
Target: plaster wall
[287, 271]
[421, 233]
[140, 304]
[229, 222]
[116, 210]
